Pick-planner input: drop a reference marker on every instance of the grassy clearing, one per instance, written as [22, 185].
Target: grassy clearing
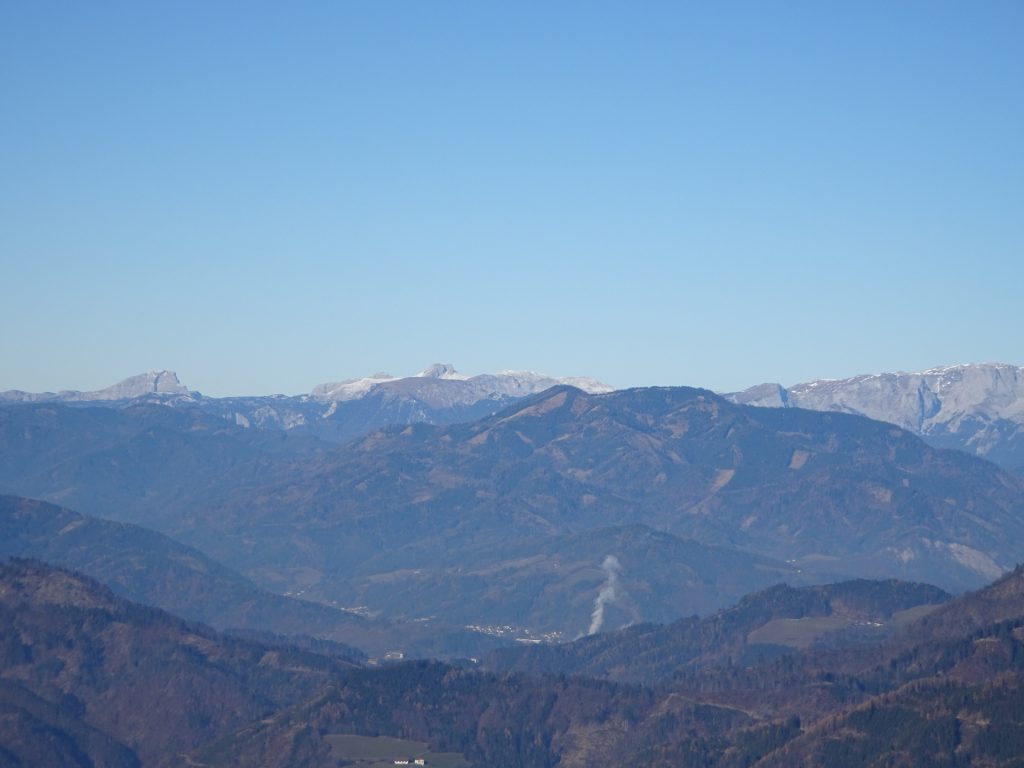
[796, 633]
[382, 751]
[446, 760]
[912, 614]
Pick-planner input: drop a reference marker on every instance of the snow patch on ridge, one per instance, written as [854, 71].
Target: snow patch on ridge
[464, 389]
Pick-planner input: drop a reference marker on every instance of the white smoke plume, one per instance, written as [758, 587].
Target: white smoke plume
[609, 592]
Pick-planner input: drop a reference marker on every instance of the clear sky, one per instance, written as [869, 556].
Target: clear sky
[266, 196]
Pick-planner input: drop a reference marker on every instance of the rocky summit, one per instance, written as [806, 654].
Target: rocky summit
[160, 383]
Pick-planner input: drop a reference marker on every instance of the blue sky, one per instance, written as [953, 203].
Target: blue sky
[267, 196]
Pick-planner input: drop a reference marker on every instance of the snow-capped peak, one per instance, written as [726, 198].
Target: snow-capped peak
[350, 389]
[441, 371]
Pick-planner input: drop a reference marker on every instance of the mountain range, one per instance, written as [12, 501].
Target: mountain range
[503, 524]
[976, 408]
[336, 411]
[828, 491]
[653, 576]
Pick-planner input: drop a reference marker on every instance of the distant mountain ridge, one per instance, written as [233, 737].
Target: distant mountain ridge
[831, 491]
[469, 388]
[835, 492]
[460, 387]
[160, 383]
[334, 411]
[978, 408]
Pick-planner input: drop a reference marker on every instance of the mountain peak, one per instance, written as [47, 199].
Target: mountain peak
[440, 371]
[152, 383]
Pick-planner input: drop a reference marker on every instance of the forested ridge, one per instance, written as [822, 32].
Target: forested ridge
[114, 683]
